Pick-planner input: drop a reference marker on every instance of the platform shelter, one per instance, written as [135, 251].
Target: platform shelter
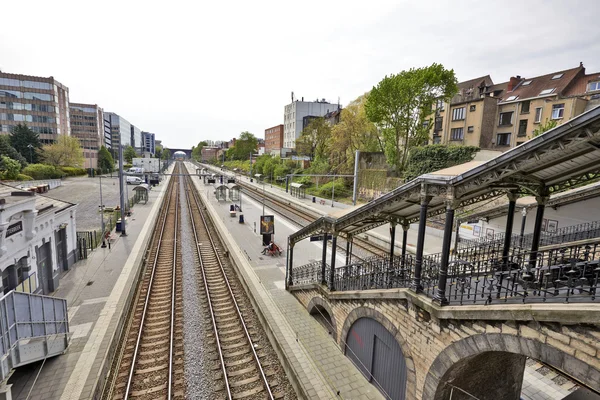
[234, 191]
[141, 193]
[298, 190]
[221, 192]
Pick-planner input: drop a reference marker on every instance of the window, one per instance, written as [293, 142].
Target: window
[458, 114]
[472, 108]
[522, 128]
[557, 76]
[593, 86]
[470, 129]
[558, 110]
[526, 83]
[456, 134]
[438, 124]
[505, 118]
[503, 139]
[440, 105]
[511, 98]
[437, 140]
[525, 107]
[538, 115]
[546, 91]
[426, 124]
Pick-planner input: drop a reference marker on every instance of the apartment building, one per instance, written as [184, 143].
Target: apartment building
[294, 117]
[41, 103]
[274, 139]
[529, 103]
[149, 142]
[468, 118]
[87, 125]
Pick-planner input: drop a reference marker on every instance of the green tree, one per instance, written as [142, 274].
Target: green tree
[197, 151]
[166, 154]
[65, 152]
[546, 126]
[314, 140]
[9, 151]
[21, 137]
[106, 163]
[247, 143]
[399, 105]
[353, 132]
[9, 168]
[129, 154]
[158, 152]
[430, 158]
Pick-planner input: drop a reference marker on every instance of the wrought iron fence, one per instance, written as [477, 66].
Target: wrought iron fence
[558, 274]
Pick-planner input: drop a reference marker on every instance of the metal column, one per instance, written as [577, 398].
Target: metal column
[290, 281]
[537, 230]
[332, 266]
[348, 251]
[440, 296]
[416, 283]
[324, 260]
[355, 187]
[392, 243]
[523, 221]
[510, 217]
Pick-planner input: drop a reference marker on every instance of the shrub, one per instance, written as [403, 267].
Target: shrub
[127, 166]
[73, 171]
[426, 159]
[340, 189]
[42, 171]
[23, 177]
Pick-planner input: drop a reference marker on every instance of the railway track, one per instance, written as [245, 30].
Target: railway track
[150, 361]
[245, 371]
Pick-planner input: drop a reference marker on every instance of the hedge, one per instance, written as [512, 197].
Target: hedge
[42, 171]
[73, 171]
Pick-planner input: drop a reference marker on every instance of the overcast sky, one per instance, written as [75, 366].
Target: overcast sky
[188, 71]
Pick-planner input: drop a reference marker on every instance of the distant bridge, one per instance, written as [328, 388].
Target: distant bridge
[188, 152]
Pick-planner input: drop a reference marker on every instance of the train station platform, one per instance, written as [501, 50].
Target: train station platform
[97, 291]
[317, 367]
[322, 206]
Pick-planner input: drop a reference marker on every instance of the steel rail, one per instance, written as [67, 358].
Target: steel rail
[194, 193]
[147, 299]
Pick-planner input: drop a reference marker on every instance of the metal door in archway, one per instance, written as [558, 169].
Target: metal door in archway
[377, 354]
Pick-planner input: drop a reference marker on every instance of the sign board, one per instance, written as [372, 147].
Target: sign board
[300, 158]
[230, 180]
[14, 228]
[267, 224]
[319, 238]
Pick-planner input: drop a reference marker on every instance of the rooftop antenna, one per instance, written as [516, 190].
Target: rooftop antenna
[292, 96]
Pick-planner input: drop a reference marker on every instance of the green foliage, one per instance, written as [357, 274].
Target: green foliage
[340, 189]
[399, 105]
[127, 166]
[197, 151]
[21, 137]
[106, 163]
[425, 159]
[23, 177]
[9, 168]
[314, 140]
[158, 152]
[9, 151]
[65, 152]
[73, 171]
[243, 166]
[129, 154]
[42, 171]
[166, 154]
[247, 143]
[546, 126]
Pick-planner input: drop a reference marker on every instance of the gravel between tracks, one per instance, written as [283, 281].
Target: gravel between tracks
[197, 362]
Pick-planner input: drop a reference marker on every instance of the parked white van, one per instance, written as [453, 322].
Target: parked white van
[134, 180]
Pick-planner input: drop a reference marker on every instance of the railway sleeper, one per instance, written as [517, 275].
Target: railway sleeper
[241, 371]
[151, 369]
[228, 339]
[247, 393]
[244, 382]
[235, 363]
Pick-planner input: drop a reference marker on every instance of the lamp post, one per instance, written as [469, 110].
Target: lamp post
[263, 198]
[30, 146]
[523, 220]
[102, 212]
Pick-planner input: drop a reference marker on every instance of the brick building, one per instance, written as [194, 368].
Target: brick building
[274, 139]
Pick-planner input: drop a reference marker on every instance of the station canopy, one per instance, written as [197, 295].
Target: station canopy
[560, 159]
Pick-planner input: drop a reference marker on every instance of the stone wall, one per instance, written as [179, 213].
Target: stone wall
[435, 340]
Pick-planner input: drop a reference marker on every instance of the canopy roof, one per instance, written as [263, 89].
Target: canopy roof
[296, 185]
[560, 159]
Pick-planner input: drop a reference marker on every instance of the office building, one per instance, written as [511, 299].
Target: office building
[274, 140]
[294, 117]
[136, 139]
[120, 129]
[41, 103]
[149, 141]
[87, 125]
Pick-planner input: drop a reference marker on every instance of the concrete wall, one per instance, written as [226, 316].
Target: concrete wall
[437, 341]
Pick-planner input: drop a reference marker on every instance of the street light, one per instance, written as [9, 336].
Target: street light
[102, 213]
[30, 153]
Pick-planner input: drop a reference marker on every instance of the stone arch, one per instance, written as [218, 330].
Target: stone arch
[367, 312]
[494, 344]
[318, 305]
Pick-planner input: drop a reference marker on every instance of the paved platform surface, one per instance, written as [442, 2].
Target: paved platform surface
[321, 368]
[96, 290]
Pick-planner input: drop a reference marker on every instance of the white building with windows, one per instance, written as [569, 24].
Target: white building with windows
[295, 114]
[38, 240]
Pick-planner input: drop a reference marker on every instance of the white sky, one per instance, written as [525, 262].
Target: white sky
[187, 70]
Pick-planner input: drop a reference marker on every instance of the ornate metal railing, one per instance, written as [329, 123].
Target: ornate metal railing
[558, 274]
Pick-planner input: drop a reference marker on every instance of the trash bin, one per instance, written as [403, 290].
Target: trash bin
[118, 226]
[241, 218]
[314, 199]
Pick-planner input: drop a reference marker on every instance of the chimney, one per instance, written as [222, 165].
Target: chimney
[513, 82]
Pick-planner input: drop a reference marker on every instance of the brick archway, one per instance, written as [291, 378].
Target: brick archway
[319, 302]
[366, 312]
[499, 343]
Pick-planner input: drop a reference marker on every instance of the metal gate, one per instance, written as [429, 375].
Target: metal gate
[45, 266]
[377, 354]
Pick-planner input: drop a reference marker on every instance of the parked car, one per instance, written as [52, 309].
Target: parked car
[134, 180]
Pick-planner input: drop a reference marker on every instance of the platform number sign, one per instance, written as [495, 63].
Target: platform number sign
[14, 228]
[267, 224]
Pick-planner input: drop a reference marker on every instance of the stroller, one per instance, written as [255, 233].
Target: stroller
[272, 250]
